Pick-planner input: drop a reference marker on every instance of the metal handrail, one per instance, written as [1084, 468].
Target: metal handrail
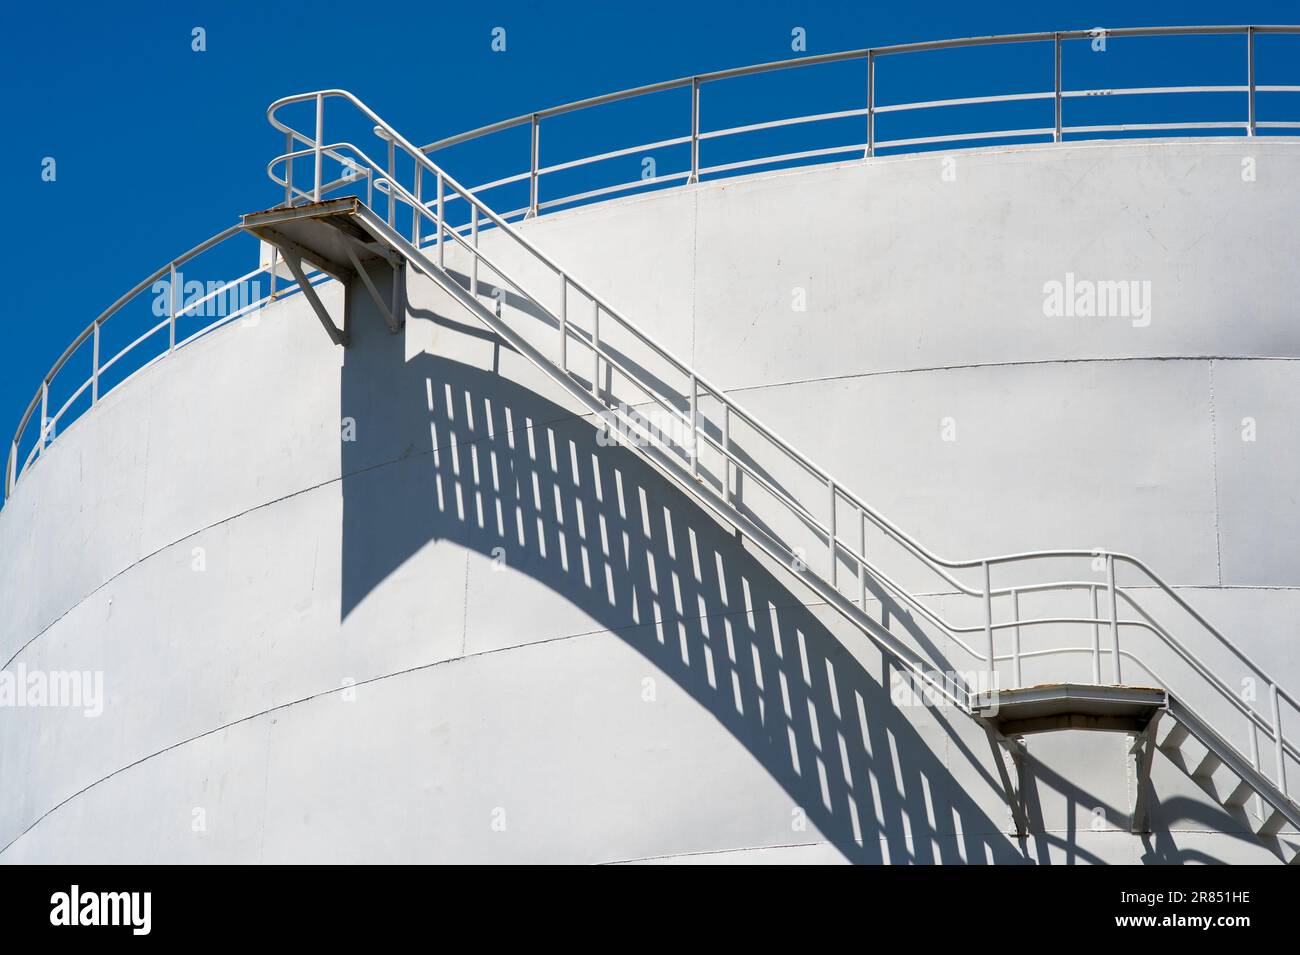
[13, 469]
[871, 108]
[684, 407]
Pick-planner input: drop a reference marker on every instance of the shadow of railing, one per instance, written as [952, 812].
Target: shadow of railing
[448, 451]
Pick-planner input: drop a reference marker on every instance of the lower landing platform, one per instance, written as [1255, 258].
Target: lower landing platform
[1062, 706]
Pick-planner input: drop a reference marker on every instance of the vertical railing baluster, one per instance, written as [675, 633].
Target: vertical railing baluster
[1254, 759]
[288, 170]
[1096, 638]
[1056, 44]
[392, 176]
[693, 451]
[1279, 750]
[533, 162]
[94, 367]
[862, 559]
[695, 130]
[418, 212]
[830, 538]
[564, 323]
[1250, 80]
[171, 307]
[442, 226]
[1114, 613]
[473, 233]
[595, 348]
[1015, 637]
[988, 623]
[45, 410]
[871, 103]
[320, 140]
[726, 451]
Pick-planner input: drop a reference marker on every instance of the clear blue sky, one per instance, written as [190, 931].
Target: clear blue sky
[158, 147]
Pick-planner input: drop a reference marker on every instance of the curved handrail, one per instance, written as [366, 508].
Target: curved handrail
[14, 469]
[871, 108]
[703, 432]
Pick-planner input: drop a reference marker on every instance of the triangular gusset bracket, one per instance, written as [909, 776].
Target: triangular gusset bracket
[1011, 757]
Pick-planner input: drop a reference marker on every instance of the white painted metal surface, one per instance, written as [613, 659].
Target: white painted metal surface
[789, 525]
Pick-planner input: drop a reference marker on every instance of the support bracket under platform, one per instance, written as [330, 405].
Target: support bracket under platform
[1143, 752]
[333, 237]
[1011, 757]
[1009, 715]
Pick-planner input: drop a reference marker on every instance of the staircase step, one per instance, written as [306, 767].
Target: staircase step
[1272, 824]
[1239, 794]
[1175, 737]
[1206, 767]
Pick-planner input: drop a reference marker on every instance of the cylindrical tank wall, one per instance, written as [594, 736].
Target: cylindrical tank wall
[473, 632]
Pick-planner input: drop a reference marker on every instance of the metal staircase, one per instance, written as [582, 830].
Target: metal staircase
[1087, 652]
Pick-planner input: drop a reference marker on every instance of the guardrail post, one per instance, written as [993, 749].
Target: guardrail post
[320, 140]
[171, 307]
[94, 367]
[1279, 750]
[1056, 44]
[533, 163]
[695, 130]
[564, 323]
[1114, 613]
[871, 103]
[1015, 637]
[1250, 78]
[988, 621]
[830, 539]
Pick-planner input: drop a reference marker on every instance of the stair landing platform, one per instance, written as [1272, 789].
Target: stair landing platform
[1062, 706]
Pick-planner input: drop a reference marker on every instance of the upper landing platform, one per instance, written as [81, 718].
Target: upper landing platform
[339, 236]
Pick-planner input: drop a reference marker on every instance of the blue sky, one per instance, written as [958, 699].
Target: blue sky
[157, 146]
